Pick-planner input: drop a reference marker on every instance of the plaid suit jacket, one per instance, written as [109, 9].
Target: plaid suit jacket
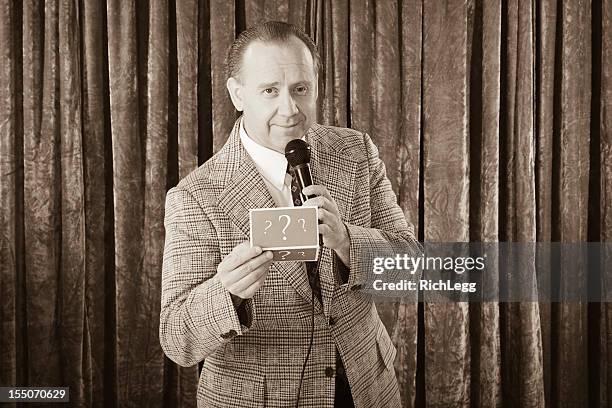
[259, 364]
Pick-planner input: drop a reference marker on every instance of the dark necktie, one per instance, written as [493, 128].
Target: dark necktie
[311, 267]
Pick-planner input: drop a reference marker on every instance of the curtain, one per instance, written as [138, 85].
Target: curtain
[492, 117]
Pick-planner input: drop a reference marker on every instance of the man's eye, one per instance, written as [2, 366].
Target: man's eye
[269, 91]
[301, 89]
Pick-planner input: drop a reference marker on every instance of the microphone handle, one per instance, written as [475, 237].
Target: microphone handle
[303, 178]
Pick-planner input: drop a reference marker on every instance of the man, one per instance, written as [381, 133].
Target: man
[227, 303]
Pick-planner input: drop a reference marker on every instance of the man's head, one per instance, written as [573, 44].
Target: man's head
[272, 79]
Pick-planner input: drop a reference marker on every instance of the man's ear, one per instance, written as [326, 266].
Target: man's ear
[234, 87]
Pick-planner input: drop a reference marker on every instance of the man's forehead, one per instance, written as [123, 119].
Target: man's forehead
[273, 58]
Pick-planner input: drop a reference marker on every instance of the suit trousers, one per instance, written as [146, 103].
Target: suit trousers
[343, 397]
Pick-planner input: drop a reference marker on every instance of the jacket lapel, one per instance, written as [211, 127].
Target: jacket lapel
[332, 168]
[335, 170]
[244, 187]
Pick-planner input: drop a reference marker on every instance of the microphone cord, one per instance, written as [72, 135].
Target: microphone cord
[297, 402]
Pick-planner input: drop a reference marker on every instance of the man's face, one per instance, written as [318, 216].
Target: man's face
[277, 92]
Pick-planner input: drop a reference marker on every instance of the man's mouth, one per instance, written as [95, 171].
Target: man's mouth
[288, 125]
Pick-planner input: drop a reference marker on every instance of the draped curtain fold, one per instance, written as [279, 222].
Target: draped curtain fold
[492, 117]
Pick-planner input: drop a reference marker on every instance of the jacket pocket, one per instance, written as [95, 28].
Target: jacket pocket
[226, 386]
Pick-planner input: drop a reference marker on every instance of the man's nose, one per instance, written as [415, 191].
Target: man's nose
[287, 106]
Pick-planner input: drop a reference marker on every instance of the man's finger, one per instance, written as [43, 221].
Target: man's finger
[324, 229]
[239, 255]
[249, 266]
[318, 190]
[252, 289]
[328, 217]
[256, 275]
[318, 201]
[324, 205]
[325, 216]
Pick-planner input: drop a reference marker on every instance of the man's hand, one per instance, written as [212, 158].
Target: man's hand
[331, 227]
[243, 271]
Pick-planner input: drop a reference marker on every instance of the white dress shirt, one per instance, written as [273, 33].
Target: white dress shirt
[272, 167]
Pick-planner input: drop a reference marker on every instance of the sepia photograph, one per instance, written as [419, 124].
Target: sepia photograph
[306, 203]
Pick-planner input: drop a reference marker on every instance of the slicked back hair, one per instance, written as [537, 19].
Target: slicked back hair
[270, 32]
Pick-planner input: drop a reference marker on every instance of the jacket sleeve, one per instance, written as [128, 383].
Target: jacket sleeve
[197, 313]
[388, 233]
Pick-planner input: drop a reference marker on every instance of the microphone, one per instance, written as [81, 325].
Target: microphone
[297, 153]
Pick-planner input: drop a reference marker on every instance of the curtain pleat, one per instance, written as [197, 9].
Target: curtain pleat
[484, 100]
[446, 188]
[522, 363]
[187, 53]
[179, 382]
[386, 103]
[333, 47]
[222, 34]
[545, 76]
[71, 279]
[361, 57]
[156, 171]
[139, 360]
[492, 118]
[569, 382]
[95, 132]
[605, 203]
[8, 186]
[259, 11]
[404, 326]
[42, 211]
[409, 138]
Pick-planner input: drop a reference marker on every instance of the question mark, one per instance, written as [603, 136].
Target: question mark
[284, 256]
[303, 223]
[268, 226]
[287, 225]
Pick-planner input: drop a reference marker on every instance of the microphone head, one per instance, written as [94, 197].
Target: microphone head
[297, 152]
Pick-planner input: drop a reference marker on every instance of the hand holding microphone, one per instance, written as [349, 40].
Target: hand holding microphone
[331, 227]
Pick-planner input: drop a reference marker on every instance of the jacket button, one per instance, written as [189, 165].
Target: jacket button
[332, 321]
[229, 334]
[329, 372]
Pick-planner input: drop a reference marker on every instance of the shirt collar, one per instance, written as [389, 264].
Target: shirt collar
[271, 164]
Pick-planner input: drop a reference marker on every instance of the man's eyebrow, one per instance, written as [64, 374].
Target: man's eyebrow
[268, 85]
[274, 84]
